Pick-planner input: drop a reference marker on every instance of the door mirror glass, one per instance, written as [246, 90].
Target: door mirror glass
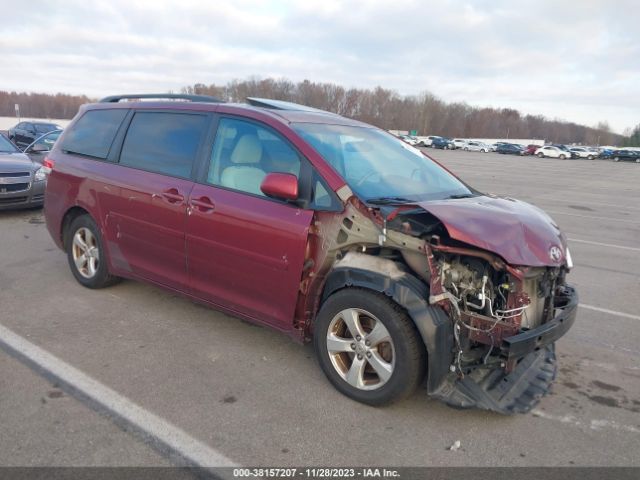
[283, 186]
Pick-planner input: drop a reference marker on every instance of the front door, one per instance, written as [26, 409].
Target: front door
[245, 251]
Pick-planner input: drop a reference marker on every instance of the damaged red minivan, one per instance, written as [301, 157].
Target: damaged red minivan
[325, 228]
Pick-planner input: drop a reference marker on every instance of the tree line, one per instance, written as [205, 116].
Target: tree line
[41, 105]
[426, 113]
[385, 108]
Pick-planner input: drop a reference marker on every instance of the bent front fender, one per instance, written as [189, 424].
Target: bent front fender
[412, 294]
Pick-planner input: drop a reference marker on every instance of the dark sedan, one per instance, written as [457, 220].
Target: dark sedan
[22, 181]
[25, 133]
[443, 143]
[510, 148]
[43, 145]
[628, 155]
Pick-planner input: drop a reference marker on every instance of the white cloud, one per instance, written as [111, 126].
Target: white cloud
[574, 60]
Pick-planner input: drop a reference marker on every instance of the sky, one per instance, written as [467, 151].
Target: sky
[573, 60]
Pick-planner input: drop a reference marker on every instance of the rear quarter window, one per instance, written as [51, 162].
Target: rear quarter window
[93, 133]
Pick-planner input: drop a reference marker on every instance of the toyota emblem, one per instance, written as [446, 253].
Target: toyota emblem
[555, 254]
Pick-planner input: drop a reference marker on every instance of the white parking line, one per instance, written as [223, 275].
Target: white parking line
[610, 312]
[610, 245]
[163, 436]
[592, 425]
[555, 212]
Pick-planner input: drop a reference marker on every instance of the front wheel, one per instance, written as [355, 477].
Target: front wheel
[368, 347]
[562, 157]
[541, 155]
[85, 253]
[590, 157]
[616, 159]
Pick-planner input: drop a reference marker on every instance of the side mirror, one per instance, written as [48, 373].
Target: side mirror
[39, 148]
[280, 185]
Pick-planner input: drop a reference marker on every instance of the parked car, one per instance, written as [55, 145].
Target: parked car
[25, 133]
[553, 152]
[443, 143]
[531, 149]
[459, 143]
[290, 217]
[625, 155]
[413, 141]
[494, 147]
[42, 145]
[510, 148]
[474, 146]
[426, 141]
[22, 181]
[582, 152]
[567, 150]
[605, 152]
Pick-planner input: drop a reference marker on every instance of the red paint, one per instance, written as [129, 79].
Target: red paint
[518, 232]
[280, 185]
[247, 254]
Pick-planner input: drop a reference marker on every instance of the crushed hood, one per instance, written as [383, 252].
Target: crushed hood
[516, 231]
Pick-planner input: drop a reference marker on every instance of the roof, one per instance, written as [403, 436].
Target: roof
[286, 112]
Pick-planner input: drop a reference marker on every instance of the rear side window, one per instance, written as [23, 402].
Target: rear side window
[93, 134]
[164, 143]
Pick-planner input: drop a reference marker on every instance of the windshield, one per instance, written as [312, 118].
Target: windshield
[6, 146]
[377, 166]
[45, 127]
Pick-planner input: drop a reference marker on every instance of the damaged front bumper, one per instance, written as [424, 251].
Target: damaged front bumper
[566, 306]
[533, 360]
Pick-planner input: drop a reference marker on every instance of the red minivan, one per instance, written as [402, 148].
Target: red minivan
[322, 227]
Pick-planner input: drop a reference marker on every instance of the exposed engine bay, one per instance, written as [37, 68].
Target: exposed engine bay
[491, 305]
[488, 304]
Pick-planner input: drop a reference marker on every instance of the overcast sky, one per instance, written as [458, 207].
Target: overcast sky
[574, 60]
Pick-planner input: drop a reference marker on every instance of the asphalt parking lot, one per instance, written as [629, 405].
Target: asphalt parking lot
[257, 398]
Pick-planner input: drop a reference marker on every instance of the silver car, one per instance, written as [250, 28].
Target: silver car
[22, 181]
[475, 146]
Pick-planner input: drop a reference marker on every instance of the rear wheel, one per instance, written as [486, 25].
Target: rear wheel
[541, 155]
[616, 159]
[562, 156]
[85, 253]
[368, 347]
[590, 157]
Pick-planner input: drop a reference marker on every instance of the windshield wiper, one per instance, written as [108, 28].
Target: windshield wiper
[461, 195]
[388, 200]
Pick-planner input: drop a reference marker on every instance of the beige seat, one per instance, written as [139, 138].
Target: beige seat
[245, 174]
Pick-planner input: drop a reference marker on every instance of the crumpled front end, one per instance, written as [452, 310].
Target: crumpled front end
[504, 319]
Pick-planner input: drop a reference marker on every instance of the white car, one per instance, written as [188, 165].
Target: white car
[584, 152]
[553, 152]
[459, 143]
[413, 141]
[474, 146]
[426, 141]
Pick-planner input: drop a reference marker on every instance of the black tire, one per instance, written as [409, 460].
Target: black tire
[616, 159]
[562, 156]
[408, 349]
[540, 155]
[590, 157]
[101, 278]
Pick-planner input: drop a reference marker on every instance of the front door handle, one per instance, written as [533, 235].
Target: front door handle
[173, 195]
[203, 204]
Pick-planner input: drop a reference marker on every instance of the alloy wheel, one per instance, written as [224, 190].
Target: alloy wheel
[361, 349]
[85, 252]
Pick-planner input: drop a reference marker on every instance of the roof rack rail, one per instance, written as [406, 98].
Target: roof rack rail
[282, 105]
[161, 96]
